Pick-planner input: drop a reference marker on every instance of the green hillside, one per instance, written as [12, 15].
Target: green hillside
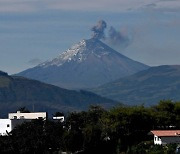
[16, 92]
[145, 87]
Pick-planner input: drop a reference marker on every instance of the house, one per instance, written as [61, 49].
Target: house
[163, 137]
[14, 119]
[7, 125]
[59, 118]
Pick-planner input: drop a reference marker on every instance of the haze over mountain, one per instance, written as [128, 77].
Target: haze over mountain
[16, 92]
[148, 86]
[90, 63]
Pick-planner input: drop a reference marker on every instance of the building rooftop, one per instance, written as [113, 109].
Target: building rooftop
[166, 132]
[32, 115]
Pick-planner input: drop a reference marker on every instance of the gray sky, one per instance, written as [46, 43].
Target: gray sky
[32, 31]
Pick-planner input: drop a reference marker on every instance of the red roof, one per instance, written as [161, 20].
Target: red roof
[166, 132]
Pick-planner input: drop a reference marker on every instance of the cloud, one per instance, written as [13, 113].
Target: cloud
[100, 5]
[17, 6]
[152, 5]
[34, 61]
[164, 6]
[86, 5]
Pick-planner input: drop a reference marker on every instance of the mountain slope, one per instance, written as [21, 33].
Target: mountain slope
[17, 92]
[90, 63]
[148, 86]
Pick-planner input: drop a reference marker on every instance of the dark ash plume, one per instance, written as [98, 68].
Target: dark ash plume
[118, 39]
[99, 30]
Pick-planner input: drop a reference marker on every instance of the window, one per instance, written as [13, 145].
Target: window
[21, 117]
[7, 125]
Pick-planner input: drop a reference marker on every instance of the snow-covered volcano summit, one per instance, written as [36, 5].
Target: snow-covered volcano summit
[75, 53]
[87, 64]
[79, 52]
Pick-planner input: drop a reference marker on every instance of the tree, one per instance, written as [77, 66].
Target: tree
[164, 113]
[58, 114]
[23, 110]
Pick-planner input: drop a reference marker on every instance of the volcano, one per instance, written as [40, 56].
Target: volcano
[88, 64]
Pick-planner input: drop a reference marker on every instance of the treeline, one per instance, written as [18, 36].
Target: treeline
[119, 130]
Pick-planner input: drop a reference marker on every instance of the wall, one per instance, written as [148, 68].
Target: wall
[5, 125]
[166, 140]
[157, 140]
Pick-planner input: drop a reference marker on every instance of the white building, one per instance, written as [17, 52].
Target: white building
[163, 137]
[34, 115]
[14, 119]
[7, 125]
[60, 118]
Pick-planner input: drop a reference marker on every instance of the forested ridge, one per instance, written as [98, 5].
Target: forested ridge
[122, 130]
[18, 91]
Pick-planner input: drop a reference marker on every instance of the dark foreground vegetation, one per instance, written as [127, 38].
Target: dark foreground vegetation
[121, 130]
